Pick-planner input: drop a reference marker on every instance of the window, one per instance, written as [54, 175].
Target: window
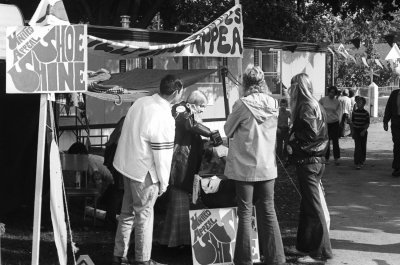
[271, 65]
[207, 63]
[136, 63]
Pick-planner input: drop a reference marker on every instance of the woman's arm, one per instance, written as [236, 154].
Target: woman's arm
[197, 128]
[309, 119]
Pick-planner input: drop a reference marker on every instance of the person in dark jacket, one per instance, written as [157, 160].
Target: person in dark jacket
[307, 146]
[392, 113]
[186, 162]
[115, 191]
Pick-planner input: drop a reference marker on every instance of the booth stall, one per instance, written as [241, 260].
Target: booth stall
[57, 59]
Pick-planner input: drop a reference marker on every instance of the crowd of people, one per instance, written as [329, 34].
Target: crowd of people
[162, 147]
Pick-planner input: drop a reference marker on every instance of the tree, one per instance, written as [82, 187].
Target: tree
[349, 8]
[370, 26]
[101, 12]
[262, 19]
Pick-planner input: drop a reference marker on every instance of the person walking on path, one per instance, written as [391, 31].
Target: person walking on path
[143, 157]
[360, 121]
[332, 108]
[345, 115]
[251, 163]
[308, 144]
[392, 114]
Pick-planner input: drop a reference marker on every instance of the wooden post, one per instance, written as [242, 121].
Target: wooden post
[39, 179]
[224, 72]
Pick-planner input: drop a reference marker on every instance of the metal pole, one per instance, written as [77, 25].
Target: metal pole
[333, 62]
[224, 72]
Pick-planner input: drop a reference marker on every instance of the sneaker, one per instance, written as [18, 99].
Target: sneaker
[310, 260]
[358, 167]
[396, 173]
[120, 261]
[337, 162]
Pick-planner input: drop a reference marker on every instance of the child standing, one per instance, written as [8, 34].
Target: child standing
[360, 121]
[282, 134]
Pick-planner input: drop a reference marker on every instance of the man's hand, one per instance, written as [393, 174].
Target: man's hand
[385, 126]
[362, 133]
[289, 149]
[161, 189]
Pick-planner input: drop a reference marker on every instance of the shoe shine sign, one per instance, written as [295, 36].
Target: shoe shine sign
[213, 236]
[46, 59]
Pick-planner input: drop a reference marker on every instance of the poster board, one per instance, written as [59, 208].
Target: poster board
[46, 59]
[213, 235]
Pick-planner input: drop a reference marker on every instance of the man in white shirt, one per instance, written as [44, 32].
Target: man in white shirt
[143, 157]
[346, 109]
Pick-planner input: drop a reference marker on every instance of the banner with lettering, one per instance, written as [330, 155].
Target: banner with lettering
[222, 38]
[213, 235]
[49, 59]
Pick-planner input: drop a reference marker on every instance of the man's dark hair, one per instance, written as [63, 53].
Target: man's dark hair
[78, 148]
[284, 101]
[351, 93]
[169, 84]
[334, 88]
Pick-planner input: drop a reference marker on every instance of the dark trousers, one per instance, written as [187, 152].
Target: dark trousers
[333, 133]
[268, 227]
[396, 145]
[360, 149]
[282, 138]
[312, 232]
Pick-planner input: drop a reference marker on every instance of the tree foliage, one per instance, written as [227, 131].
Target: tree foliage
[370, 26]
[332, 21]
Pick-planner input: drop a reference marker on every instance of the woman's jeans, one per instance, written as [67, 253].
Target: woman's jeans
[312, 232]
[268, 227]
[333, 132]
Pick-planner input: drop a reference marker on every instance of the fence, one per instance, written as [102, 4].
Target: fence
[383, 95]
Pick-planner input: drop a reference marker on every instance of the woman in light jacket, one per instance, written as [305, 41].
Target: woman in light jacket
[251, 163]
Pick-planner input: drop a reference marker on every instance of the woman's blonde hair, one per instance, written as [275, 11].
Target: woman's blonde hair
[197, 97]
[300, 92]
[253, 80]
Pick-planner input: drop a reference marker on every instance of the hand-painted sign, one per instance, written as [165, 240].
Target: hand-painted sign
[222, 38]
[213, 236]
[51, 59]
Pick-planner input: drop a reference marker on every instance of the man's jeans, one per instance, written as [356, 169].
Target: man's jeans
[396, 145]
[268, 227]
[136, 212]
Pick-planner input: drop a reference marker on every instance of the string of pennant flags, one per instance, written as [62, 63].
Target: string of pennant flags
[391, 60]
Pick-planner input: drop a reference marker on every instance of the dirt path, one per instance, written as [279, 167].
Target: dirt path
[365, 204]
